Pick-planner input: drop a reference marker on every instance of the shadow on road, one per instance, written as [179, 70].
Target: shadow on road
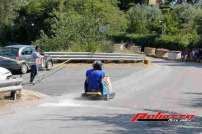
[186, 65]
[122, 124]
[177, 63]
[194, 99]
[163, 61]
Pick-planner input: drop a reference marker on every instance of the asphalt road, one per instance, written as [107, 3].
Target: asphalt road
[165, 86]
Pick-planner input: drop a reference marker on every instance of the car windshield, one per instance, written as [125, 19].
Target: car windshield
[8, 51]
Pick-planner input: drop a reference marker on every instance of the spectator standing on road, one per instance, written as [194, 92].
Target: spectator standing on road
[199, 55]
[189, 55]
[34, 63]
[186, 53]
[194, 55]
[183, 55]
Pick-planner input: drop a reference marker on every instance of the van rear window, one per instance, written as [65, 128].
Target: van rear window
[9, 51]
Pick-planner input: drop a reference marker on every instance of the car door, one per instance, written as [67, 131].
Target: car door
[26, 54]
[9, 53]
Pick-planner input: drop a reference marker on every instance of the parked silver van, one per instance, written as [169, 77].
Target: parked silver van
[22, 58]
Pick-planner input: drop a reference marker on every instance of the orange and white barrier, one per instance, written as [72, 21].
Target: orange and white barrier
[40, 61]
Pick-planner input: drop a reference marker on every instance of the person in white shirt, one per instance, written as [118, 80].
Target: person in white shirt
[34, 68]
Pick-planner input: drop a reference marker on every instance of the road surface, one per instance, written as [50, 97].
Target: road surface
[164, 86]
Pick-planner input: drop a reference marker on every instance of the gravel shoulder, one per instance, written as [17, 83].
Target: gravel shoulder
[28, 98]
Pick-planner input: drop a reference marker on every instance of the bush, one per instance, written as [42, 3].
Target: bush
[186, 15]
[83, 26]
[172, 42]
[139, 39]
[176, 42]
[175, 29]
[144, 19]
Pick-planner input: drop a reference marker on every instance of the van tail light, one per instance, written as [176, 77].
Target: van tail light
[17, 56]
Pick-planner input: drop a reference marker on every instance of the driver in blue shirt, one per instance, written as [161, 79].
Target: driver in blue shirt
[94, 78]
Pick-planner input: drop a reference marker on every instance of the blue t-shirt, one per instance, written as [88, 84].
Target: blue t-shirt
[94, 78]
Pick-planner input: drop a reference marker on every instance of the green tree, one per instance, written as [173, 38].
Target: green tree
[170, 23]
[144, 19]
[8, 13]
[181, 27]
[186, 15]
[32, 18]
[83, 25]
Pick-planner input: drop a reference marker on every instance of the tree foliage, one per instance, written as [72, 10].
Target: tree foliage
[8, 13]
[83, 25]
[144, 19]
[177, 27]
[87, 25]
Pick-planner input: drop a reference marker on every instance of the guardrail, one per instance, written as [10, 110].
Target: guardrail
[12, 86]
[95, 56]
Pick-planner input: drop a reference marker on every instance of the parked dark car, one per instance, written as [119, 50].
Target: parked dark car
[21, 55]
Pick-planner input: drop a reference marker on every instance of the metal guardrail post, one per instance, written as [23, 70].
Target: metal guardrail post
[11, 86]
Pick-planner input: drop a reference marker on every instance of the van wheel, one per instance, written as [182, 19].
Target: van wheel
[49, 65]
[24, 69]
